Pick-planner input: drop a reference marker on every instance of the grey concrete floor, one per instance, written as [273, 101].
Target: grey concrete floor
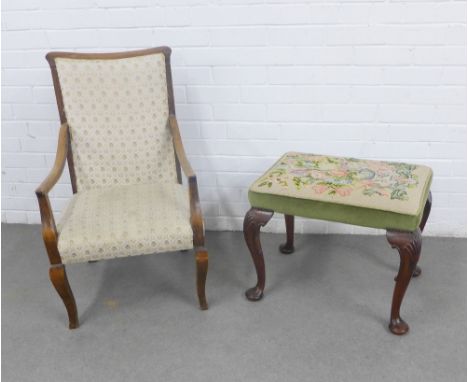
[323, 317]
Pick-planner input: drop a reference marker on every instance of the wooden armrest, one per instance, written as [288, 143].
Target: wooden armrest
[179, 147]
[196, 217]
[59, 164]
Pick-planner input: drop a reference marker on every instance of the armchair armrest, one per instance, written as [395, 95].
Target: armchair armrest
[179, 148]
[196, 217]
[59, 164]
[49, 230]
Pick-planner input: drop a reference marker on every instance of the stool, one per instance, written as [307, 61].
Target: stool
[388, 195]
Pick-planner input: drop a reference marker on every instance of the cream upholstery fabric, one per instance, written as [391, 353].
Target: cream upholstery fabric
[117, 111]
[123, 221]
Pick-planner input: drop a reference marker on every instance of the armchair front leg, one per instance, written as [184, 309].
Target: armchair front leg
[201, 254]
[196, 217]
[49, 229]
[57, 273]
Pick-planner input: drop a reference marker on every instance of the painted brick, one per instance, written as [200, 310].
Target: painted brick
[238, 36]
[253, 79]
[239, 75]
[213, 94]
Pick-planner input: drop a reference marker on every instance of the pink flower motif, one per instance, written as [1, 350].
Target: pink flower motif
[339, 173]
[299, 172]
[382, 172]
[320, 189]
[346, 191]
[317, 174]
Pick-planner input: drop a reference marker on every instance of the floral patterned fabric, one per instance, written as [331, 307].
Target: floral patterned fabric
[388, 186]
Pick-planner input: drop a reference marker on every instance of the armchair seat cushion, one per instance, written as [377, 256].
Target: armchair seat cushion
[388, 195]
[124, 221]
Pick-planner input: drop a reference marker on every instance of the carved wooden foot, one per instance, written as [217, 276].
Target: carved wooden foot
[254, 219]
[201, 258]
[288, 247]
[409, 247]
[59, 279]
[417, 271]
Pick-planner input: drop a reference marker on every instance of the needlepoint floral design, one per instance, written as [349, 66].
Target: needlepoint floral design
[342, 176]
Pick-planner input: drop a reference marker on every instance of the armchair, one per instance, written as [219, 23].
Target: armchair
[120, 138]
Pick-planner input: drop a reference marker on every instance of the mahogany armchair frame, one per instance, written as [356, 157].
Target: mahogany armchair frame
[64, 154]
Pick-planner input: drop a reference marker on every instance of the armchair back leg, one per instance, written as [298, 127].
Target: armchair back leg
[201, 259]
[59, 279]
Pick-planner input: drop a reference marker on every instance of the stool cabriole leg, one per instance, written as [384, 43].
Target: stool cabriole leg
[427, 210]
[288, 247]
[254, 219]
[408, 245]
[426, 213]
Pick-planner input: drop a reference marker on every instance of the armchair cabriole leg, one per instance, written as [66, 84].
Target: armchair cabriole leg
[59, 279]
[288, 247]
[409, 247]
[201, 258]
[254, 219]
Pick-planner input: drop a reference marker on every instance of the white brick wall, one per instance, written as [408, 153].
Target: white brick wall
[382, 79]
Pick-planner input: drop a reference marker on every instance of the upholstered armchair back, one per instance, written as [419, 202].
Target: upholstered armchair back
[117, 111]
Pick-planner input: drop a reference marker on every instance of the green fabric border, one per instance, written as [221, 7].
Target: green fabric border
[342, 213]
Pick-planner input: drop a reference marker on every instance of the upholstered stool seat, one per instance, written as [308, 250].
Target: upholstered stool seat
[121, 221]
[390, 195]
[368, 193]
